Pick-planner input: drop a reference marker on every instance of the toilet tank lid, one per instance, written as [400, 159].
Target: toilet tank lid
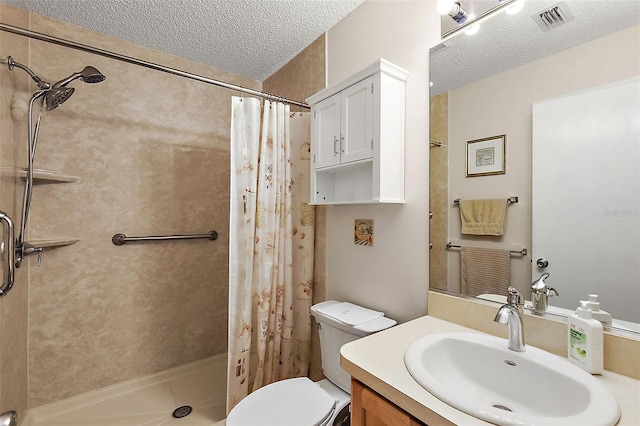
[352, 317]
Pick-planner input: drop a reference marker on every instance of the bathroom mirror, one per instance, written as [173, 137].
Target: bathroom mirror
[486, 85]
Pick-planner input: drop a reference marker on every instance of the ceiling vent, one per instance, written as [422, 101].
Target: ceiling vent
[553, 17]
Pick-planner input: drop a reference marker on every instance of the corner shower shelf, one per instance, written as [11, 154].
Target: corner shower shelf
[40, 175]
[48, 176]
[53, 243]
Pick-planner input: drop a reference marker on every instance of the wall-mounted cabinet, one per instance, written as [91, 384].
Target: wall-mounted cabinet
[357, 138]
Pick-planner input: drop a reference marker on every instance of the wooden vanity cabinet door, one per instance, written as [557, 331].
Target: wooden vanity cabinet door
[370, 409]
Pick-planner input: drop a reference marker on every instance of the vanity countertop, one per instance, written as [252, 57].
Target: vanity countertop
[378, 362]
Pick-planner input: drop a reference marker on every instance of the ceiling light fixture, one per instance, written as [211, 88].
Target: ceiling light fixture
[453, 9]
[502, 5]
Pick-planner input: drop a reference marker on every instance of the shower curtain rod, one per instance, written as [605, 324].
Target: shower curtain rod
[139, 62]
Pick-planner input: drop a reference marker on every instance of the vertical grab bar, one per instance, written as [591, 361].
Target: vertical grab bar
[8, 254]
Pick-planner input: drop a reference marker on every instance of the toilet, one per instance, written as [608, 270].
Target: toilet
[301, 402]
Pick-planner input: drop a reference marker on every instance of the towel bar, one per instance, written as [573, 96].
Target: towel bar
[522, 252]
[510, 200]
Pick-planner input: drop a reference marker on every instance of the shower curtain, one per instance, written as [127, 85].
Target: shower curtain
[269, 281]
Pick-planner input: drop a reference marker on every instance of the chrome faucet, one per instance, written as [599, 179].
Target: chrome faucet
[511, 313]
[9, 418]
[540, 293]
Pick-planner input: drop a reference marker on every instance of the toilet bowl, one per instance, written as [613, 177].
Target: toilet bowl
[300, 401]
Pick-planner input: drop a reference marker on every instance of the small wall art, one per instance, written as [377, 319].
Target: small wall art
[363, 232]
[487, 156]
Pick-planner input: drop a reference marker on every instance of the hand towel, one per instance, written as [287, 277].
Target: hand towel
[350, 314]
[484, 270]
[483, 217]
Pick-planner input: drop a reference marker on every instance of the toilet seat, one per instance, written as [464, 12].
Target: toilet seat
[294, 402]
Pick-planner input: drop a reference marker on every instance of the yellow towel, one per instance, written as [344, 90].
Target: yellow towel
[483, 217]
[484, 270]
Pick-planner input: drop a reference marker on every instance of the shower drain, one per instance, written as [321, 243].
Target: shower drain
[182, 411]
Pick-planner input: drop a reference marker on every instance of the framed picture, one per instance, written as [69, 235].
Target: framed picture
[487, 156]
[363, 232]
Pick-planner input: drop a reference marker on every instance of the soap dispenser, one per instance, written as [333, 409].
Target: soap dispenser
[586, 343]
[602, 316]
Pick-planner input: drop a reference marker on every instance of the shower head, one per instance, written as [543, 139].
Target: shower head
[92, 75]
[58, 93]
[89, 75]
[56, 96]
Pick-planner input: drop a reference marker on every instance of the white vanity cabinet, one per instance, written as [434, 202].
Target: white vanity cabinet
[357, 138]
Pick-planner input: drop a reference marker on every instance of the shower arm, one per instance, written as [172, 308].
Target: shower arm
[43, 85]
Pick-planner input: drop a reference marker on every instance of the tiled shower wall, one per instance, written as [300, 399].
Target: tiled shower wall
[438, 190]
[13, 308]
[152, 154]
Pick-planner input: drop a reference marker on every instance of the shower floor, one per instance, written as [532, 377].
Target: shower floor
[148, 401]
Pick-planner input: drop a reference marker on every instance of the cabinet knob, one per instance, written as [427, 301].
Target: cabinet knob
[335, 145]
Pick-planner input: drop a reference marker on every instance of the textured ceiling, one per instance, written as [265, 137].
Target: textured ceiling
[252, 38]
[505, 41]
[255, 38]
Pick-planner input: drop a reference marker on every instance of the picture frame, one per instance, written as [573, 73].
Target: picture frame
[487, 156]
[363, 232]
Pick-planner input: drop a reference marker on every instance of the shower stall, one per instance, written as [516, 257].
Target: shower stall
[144, 153]
[121, 157]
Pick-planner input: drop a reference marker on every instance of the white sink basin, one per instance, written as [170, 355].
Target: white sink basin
[479, 375]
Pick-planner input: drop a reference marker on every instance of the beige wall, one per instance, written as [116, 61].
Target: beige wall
[393, 274]
[501, 104]
[151, 151]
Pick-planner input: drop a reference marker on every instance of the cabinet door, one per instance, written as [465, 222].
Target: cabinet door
[325, 133]
[370, 409]
[357, 122]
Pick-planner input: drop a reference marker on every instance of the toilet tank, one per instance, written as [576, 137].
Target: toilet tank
[334, 333]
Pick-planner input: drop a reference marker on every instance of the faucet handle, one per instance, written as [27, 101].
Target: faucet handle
[515, 297]
[539, 284]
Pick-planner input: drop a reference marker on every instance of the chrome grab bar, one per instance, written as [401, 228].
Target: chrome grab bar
[510, 200]
[8, 254]
[120, 239]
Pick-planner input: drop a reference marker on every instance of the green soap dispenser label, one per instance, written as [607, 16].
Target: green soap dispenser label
[578, 342]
